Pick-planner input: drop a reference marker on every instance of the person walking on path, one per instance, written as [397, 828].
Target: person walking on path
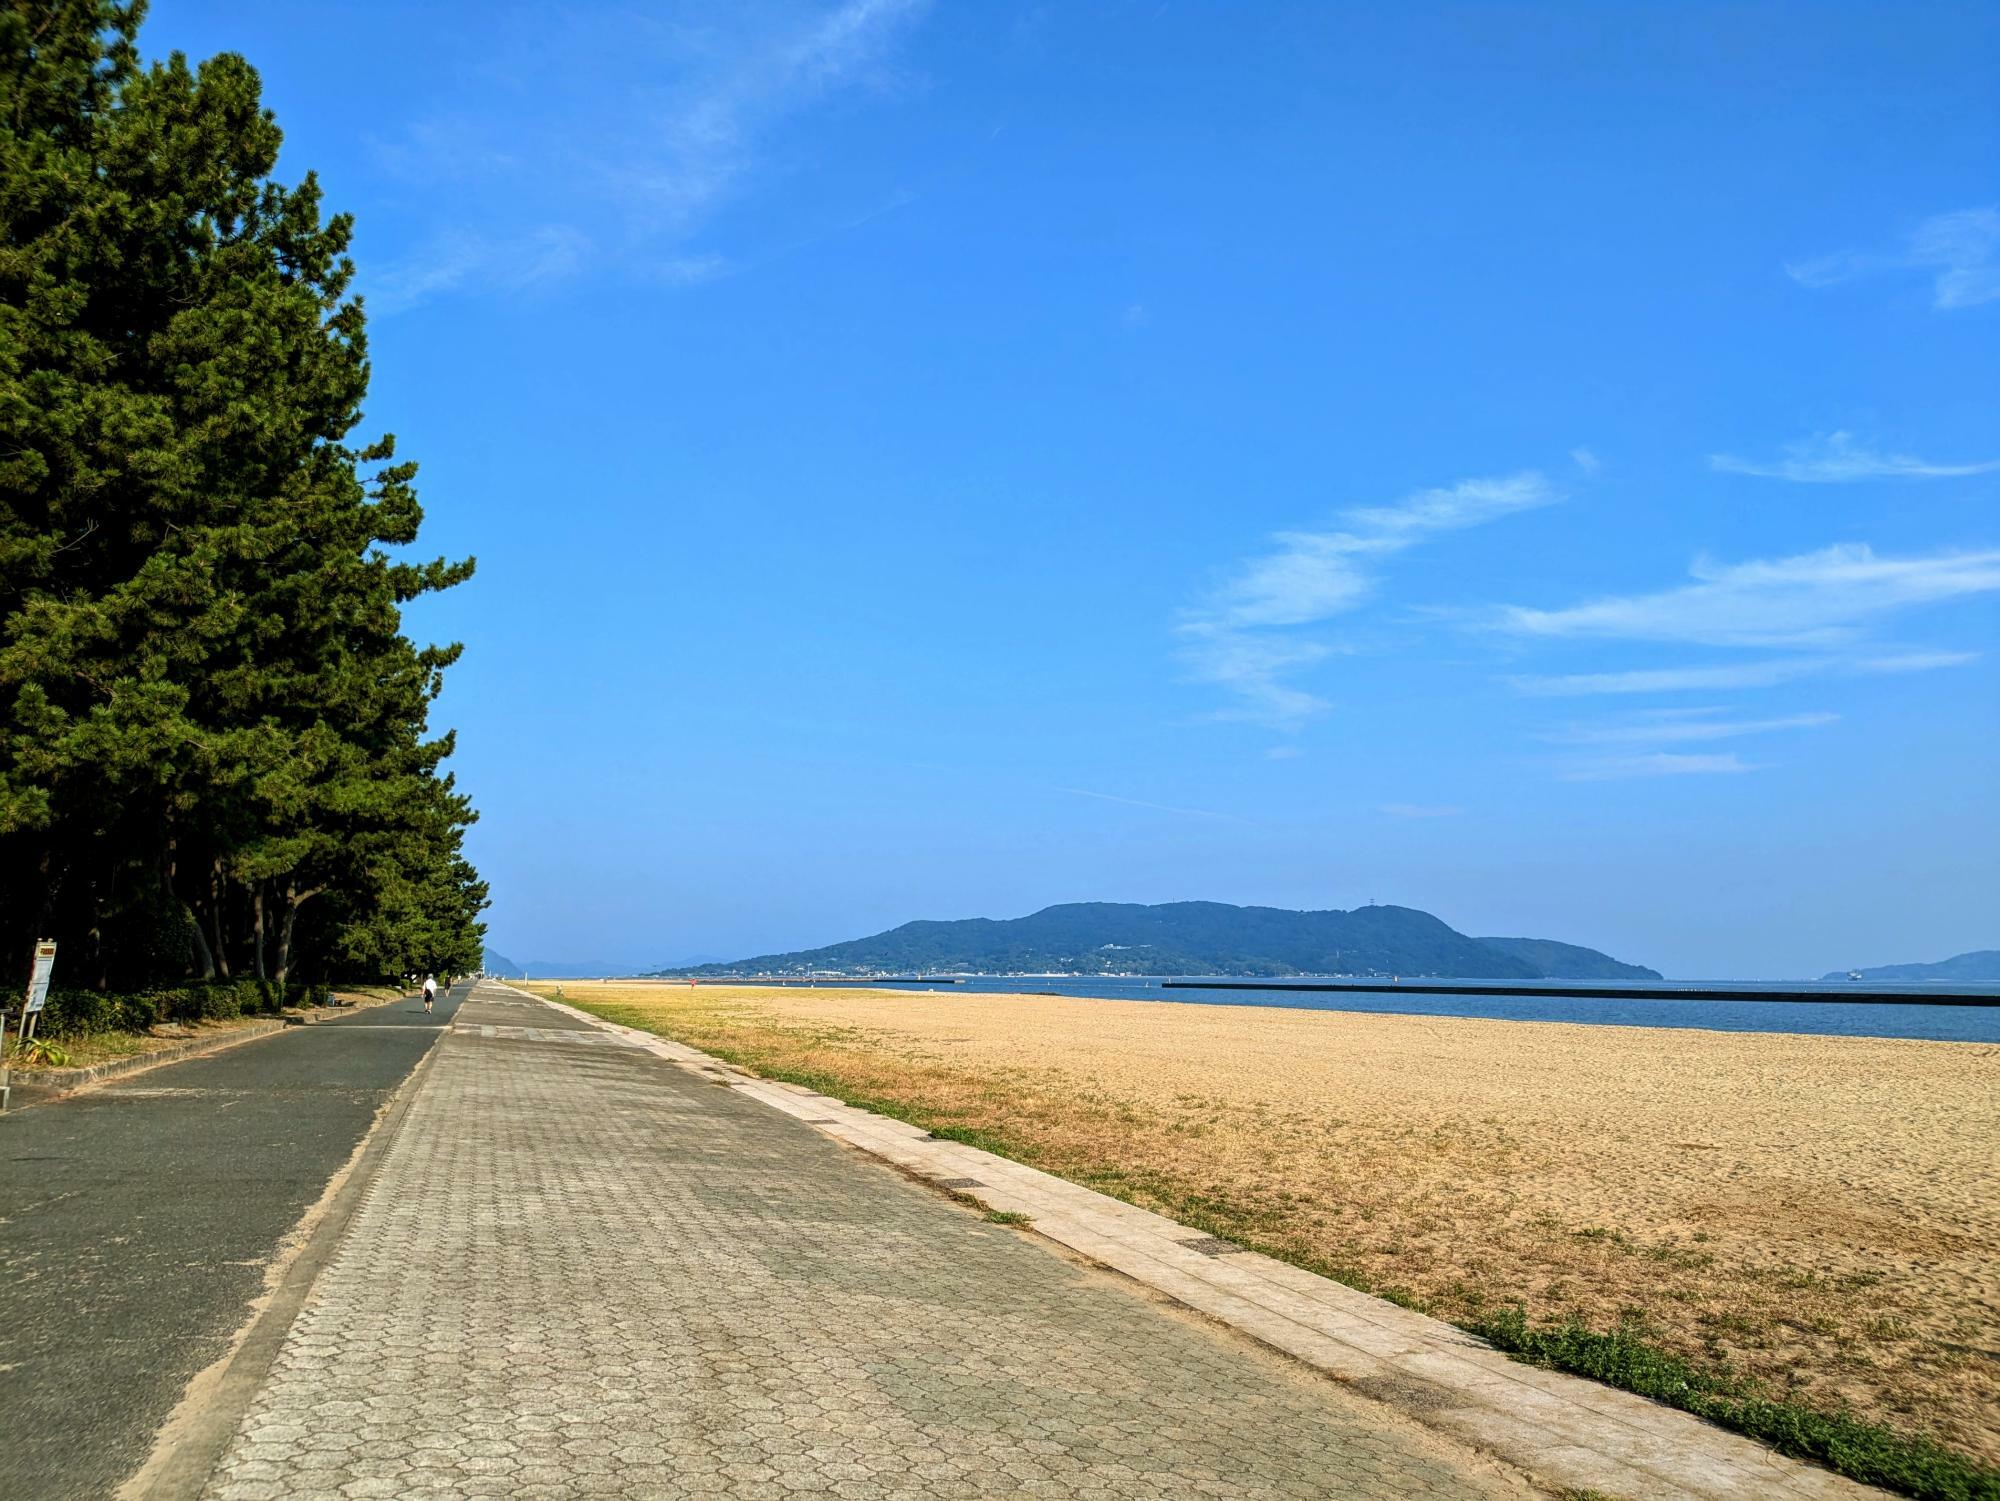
[430, 990]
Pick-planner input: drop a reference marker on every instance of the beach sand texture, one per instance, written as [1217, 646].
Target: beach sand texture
[1820, 1212]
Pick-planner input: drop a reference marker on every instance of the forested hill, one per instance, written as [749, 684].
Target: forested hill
[1193, 938]
[1568, 961]
[1980, 967]
[500, 967]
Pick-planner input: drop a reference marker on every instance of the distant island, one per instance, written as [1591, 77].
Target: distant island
[1980, 967]
[501, 967]
[1190, 938]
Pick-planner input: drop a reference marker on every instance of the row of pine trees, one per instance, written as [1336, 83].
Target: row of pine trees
[214, 753]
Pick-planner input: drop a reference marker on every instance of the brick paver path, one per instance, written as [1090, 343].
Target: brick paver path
[582, 1271]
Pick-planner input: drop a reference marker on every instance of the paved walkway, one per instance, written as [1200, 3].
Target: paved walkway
[581, 1270]
[137, 1221]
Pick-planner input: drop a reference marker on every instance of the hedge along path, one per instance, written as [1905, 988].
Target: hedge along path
[1813, 1212]
[76, 1013]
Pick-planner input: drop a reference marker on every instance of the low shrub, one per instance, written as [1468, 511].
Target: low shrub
[86, 1013]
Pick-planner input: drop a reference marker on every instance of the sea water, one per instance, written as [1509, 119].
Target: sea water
[1831, 1017]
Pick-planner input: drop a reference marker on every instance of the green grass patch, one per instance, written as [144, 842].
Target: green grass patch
[1007, 1217]
[985, 1141]
[1626, 1358]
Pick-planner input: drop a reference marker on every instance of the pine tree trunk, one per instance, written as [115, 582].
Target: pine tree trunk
[201, 948]
[171, 868]
[257, 932]
[215, 899]
[294, 899]
[291, 916]
[99, 960]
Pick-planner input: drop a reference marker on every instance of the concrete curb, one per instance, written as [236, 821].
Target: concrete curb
[1565, 1431]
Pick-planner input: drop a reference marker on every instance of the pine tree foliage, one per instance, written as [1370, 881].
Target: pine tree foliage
[214, 754]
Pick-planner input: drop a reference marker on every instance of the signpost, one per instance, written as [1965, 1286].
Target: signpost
[38, 986]
[38, 997]
[38, 982]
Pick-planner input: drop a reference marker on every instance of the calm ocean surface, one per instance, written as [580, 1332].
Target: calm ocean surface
[1832, 1017]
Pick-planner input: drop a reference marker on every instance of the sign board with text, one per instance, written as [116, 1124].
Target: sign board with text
[38, 983]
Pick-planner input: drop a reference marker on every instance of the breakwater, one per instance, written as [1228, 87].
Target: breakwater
[1821, 996]
[823, 982]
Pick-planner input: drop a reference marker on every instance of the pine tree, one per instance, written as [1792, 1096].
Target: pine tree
[209, 716]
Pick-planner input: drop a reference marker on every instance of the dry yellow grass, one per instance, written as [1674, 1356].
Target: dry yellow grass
[1818, 1212]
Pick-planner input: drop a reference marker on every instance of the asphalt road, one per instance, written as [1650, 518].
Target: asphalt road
[136, 1221]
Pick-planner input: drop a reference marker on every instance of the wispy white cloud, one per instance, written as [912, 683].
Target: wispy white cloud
[1731, 675]
[1585, 460]
[1310, 576]
[1960, 251]
[640, 131]
[1643, 744]
[1682, 726]
[685, 270]
[1467, 503]
[1667, 679]
[469, 147]
[1244, 636]
[1420, 810]
[705, 137]
[1835, 458]
[1964, 250]
[1817, 599]
[1255, 670]
[1656, 764]
[448, 262]
[1822, 604]
[1135, 802]
[1916, 661]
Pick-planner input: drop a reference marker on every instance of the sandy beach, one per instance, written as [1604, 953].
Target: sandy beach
[1822, 1213]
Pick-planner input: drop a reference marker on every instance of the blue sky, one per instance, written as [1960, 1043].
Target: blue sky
[1537, 463]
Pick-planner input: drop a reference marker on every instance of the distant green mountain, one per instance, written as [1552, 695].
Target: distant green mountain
[1184, 938]
[1980, 967]
[501, 967]
[1566, 961]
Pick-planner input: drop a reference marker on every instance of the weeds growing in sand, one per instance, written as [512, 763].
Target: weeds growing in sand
[1628, 1357]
